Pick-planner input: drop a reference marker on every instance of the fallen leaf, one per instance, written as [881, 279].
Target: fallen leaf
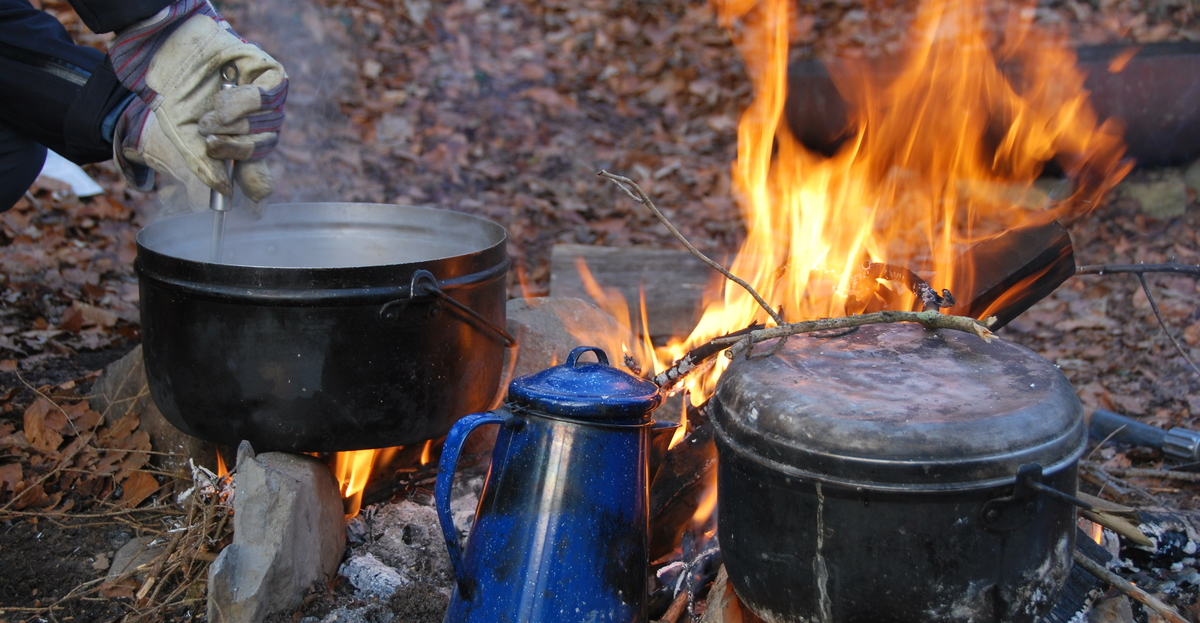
[10, 476]
[43, 425]
[82, 416]
[138, 486]
[123, 589]
[1131, 405]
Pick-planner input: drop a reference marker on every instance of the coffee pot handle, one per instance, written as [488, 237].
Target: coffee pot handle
[445, 483]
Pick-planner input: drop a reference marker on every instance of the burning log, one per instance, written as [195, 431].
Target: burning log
[687, 471]
[1005, 275]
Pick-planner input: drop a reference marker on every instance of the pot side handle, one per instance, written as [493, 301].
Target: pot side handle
[445, 483]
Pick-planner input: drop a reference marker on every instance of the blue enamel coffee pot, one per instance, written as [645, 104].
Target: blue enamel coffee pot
[560, 533]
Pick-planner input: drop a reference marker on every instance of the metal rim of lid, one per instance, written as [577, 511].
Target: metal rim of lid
[801, 424]
[587, 391]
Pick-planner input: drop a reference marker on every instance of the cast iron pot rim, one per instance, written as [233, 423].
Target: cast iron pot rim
[242, 279]
[746, 454]
[310, 297]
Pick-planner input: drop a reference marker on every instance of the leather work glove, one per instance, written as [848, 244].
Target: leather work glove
[182, 124]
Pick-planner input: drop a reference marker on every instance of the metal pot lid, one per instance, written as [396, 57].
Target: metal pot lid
[899, 407]
[586, 390]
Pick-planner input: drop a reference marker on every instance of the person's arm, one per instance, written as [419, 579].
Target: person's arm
[53, 91]
[112, 15]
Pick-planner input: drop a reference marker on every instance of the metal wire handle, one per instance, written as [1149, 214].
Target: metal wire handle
[425, 284]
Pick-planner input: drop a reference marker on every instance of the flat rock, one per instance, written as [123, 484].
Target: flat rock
[288, 532]
[548, 328]
[1161, 199]
[122, 391]
[673, 281]
[135, 553]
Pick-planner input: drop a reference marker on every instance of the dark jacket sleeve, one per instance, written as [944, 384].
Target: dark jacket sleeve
[51, 90]
[112, 15]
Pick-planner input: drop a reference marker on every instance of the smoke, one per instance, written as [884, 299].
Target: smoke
[312, 161]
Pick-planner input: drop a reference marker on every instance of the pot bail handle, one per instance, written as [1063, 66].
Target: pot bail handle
[425, 284]
[445, 483]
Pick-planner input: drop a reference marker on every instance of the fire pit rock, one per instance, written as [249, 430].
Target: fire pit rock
[288, 533]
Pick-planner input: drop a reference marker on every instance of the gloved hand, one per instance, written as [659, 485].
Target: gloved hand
[182, 122]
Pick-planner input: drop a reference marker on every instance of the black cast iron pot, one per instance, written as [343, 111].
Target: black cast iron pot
[874, 478]
[327, 327]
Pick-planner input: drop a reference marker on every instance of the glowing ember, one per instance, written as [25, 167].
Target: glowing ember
[1097, 533]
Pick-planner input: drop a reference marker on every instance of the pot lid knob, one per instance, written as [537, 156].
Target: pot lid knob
[586, 390]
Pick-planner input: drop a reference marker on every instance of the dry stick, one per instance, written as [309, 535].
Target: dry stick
[1134, 472]
[47, 399]
[741, 343]
[1162, 323]
[639, 196]
[1140, 270]
[677, 607]
[1104, 476]
[1125, 586]
[1169, 267]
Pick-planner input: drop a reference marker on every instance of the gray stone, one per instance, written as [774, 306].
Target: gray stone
[1161, 199]
[673, 282]
[370, 577]
[136, 552]
[288, 532]
[1191, 177]
[548, 328]
[122, 391]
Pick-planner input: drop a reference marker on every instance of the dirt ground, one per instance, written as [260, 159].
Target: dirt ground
[506, 110]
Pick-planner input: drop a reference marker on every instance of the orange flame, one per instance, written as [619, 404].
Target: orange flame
[352, 469]
[1097, 533]
[425, 454]
[222, 469]
[708, 500]
[941, 154]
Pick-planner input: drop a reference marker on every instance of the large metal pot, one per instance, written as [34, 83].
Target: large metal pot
[885, 476]
[327, 327]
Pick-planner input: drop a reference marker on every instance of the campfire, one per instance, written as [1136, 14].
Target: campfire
[821, 465]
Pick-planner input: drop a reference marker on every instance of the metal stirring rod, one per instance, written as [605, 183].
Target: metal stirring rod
[217, 202]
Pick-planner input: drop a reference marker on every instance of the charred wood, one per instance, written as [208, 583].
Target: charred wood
[1006, 274]
[687, 471]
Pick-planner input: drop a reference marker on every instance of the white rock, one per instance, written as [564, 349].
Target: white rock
[288, 533]
[371, 577]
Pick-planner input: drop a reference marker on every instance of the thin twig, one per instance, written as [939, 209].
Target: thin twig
[1162, 323]
[1134, 472]
[1125, 586]
[47, 399]
[1102, 474]
[1169, 267]
[741, 342]
[640, 196]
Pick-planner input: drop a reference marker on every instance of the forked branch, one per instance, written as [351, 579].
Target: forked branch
[633, 190]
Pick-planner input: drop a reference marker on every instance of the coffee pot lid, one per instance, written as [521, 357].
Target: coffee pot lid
[586, 390]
